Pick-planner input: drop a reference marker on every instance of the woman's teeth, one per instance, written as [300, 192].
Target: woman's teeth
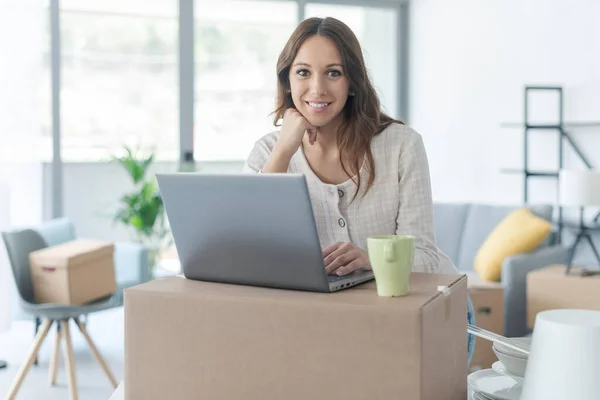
[318, 105]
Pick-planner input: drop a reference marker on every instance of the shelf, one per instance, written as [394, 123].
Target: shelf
[543, 127]
[547, 174]
[575, 226]
[582, 124]
[556, 124]
[559, 88]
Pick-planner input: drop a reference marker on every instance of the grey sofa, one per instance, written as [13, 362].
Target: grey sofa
[462, 228]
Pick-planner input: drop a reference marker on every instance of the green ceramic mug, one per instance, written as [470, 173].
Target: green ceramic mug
[392, 258]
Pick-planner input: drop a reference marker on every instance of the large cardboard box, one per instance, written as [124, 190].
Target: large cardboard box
[74, 272]
[198, 340]
[488, 304]
[549, 288]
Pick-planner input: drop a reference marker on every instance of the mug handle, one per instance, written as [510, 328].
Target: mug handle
[389, 252]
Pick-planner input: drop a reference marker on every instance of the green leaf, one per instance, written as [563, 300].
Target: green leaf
[134, 163]
[141, 209]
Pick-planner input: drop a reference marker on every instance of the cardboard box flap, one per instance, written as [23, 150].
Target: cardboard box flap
[72, 253]
[422, 291]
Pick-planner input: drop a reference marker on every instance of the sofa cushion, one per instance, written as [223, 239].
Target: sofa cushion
[480, 221]
[448, 223]
[519, 232]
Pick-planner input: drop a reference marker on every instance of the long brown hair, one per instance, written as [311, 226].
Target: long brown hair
[363, 118]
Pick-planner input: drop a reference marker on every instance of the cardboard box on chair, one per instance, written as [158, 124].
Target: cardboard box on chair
[199, 340]
[74, 272]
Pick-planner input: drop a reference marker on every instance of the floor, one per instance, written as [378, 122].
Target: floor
[106, 329]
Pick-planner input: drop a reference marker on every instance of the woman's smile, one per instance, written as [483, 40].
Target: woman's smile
[318, 106]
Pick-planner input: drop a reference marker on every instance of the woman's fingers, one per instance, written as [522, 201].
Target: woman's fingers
[350, 267]
[343, 259]
[337, 260]
[330, 249]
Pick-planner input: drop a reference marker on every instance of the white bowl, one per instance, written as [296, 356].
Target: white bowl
[511, 352]
[514, 365]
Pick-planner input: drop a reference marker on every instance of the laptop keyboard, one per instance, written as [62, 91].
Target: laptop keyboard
[355, 274]
[335, 278]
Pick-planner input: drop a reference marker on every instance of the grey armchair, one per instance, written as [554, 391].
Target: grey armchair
[131, 259]
[19, 243]
[460, 231]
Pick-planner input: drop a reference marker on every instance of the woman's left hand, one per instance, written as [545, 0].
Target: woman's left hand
[344, 258]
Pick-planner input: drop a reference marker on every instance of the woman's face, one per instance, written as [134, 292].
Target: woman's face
[318, 81]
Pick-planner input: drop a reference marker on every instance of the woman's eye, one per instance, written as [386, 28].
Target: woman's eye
[334, 73]
[302, 72]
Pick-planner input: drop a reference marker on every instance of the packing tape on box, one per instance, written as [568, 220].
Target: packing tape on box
[445, 290]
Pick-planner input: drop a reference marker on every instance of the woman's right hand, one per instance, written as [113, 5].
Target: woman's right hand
[292, 131]
[290, 138]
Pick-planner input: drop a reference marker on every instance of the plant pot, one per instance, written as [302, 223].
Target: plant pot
[153, 253]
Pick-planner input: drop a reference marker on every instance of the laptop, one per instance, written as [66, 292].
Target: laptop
[248, 229]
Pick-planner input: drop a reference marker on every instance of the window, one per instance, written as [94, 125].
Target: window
[376, 31]
[44, 90]
[22, 42]
[119, 77]
[237, 45]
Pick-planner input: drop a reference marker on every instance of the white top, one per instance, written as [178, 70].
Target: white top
[399, 202]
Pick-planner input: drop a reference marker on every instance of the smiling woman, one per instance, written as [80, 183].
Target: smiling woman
[315, 79]
[367, 173]
[319, 91]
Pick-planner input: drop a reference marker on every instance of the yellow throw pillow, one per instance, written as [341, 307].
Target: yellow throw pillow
[519, 232]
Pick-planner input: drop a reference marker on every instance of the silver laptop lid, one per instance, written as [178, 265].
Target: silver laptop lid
[251, 229]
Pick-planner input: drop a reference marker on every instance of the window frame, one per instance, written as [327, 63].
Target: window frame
[186, 68]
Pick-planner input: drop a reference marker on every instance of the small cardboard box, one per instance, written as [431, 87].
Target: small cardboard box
[73, 273]
[488, 304]
[199, 340]
[549, 289]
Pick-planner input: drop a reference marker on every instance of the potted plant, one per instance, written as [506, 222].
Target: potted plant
[142, 209]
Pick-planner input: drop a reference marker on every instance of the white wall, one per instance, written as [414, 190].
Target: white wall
[470, 60]
[21, 35]
[21, 43]
[5, 275]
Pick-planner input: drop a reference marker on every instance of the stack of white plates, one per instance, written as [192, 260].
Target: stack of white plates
[562, 363]
[487, 384]
[504, 381]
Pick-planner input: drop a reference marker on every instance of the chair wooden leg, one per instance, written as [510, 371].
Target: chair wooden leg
[35, 347]
[69, 360]
[55, 356]
[101, 361]
[38, 322]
